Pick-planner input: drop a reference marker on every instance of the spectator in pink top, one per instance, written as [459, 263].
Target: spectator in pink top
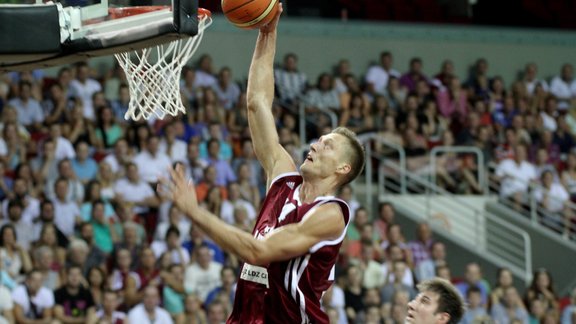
[415, 74]
[453, 101]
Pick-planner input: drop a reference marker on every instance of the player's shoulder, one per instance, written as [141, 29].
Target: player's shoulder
[331, 208]
[333, 202]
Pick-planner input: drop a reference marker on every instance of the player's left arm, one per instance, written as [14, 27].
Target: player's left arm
[325, 223]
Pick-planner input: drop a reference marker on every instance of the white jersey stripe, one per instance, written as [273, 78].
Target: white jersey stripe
[287, 275]
[294, 281]
[302, 299]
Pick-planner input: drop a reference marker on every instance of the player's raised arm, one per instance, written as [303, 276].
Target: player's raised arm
[260, 96]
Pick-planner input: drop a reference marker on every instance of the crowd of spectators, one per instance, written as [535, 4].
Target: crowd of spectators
[86, 238]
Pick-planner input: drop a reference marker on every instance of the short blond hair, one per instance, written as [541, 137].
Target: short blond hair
[356, 154]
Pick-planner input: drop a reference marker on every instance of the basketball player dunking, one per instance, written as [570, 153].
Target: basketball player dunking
[290, 256]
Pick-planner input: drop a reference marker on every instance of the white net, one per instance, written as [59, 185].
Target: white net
[153, 75]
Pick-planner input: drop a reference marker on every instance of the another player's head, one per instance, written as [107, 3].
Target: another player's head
[337, 154]
[438, 301]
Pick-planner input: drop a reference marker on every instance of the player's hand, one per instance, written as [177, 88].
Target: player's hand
[271, 26]
[179, 190]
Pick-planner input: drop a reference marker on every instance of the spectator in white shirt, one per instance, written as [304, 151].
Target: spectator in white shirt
[204, 75]
[45, 165]
[342, 70]
[235, 201]
[553, 197]
[32, 301]
[10, 115]
[202, 276]
[378, 75]
[30, 204]
[64, 148]
[6, 306]
[324, 96]
[564, 86]
[133, 190]
[66, 211]
[175, 148]
[227, 90]
[549, 114]
[149, 312]
[177, 219]
[195, 164]
[119, 157]
[515, 176]
[108, 313]
[530, 79]
[291, 83]
[152, 162]
[29, 110]
[84, 87]
[171, 244]
[216, 313]
[334, 298]
[75, 187]
[24, 234]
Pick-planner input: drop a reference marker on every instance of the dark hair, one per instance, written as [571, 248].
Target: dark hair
[172, 230]
[384, 204]
[291, 55]
[224, 268]
[498, 274]
[15, 203]
[97, 202]
[71, 267]
[31, 272]
[4, 229]
[60, 179]
[102, 273]
[61, 162]
[473, 289]
[534, 284]
[62, 70]
[385, 53]
[415, 60]
[211, 141]
[356, 154]
[449, 299]
[88, 189]
[23, 83]
[360, 209]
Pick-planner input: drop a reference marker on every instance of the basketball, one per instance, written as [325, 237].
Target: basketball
[249, 14]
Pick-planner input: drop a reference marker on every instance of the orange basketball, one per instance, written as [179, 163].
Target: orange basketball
[250, 14]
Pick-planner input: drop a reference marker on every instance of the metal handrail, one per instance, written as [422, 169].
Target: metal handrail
[302, 114]
[534, 209]
[461, 149]
[526, 267]
[365, 139]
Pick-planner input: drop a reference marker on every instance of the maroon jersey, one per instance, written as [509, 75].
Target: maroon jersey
[287, 291]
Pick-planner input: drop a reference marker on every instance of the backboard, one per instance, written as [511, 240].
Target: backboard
[37, 34]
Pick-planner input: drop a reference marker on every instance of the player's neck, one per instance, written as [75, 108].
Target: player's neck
[311, 190]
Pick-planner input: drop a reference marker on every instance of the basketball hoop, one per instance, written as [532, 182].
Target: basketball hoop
[153, 73]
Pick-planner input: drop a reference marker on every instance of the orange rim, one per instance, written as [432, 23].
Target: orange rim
[204, 13]
[116, 13]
